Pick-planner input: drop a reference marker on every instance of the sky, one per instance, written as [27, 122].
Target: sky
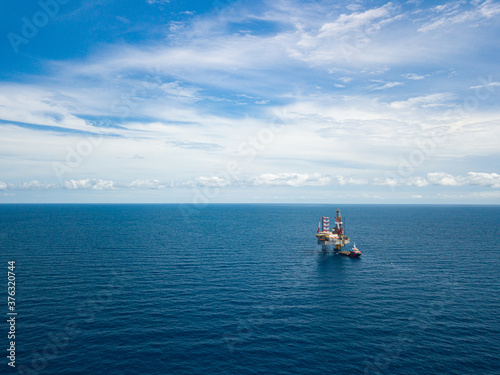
[282, 101]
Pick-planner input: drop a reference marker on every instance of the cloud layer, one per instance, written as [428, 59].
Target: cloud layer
[309, 95]
[293, 180]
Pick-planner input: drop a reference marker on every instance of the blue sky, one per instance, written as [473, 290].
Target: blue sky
[239, 101]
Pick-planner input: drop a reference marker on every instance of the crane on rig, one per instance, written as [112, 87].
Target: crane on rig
[335, 237]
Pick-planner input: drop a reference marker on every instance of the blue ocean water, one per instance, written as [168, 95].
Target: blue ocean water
[245, 289]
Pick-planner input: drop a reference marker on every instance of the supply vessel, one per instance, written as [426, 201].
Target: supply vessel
[336, 237]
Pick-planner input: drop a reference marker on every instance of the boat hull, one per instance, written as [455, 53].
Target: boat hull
[350, 254]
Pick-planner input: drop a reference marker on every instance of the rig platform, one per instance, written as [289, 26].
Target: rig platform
[336, 237]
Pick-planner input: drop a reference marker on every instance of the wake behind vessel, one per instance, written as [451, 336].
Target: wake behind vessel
[335, 237]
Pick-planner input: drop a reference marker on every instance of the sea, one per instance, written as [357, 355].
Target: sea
[246, 289]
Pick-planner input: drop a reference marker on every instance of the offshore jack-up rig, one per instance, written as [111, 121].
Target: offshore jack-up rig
[335, 237]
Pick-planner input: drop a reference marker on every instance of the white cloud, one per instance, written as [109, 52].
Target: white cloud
[444, 179]
[426, 101]
[347, 40]
[416, 181]
[151, 2]
[354, 6]
[456, 12]
[346, 79]
[484, 179]
[291, 179]
[209, 181]
[375, 71]
[98, 184]
[385, 86]
[386, 181]
[414, 76]
[35, 185]
[277, 179]
[409, 181]
[85, 184]
[184, 120]
[348, 180]
[176, 89]
[488, 84]
[472, 178]
[31, 185]
[89, 184]
[347, 23]
[273, 179]
[489, 8]
[144, 184]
